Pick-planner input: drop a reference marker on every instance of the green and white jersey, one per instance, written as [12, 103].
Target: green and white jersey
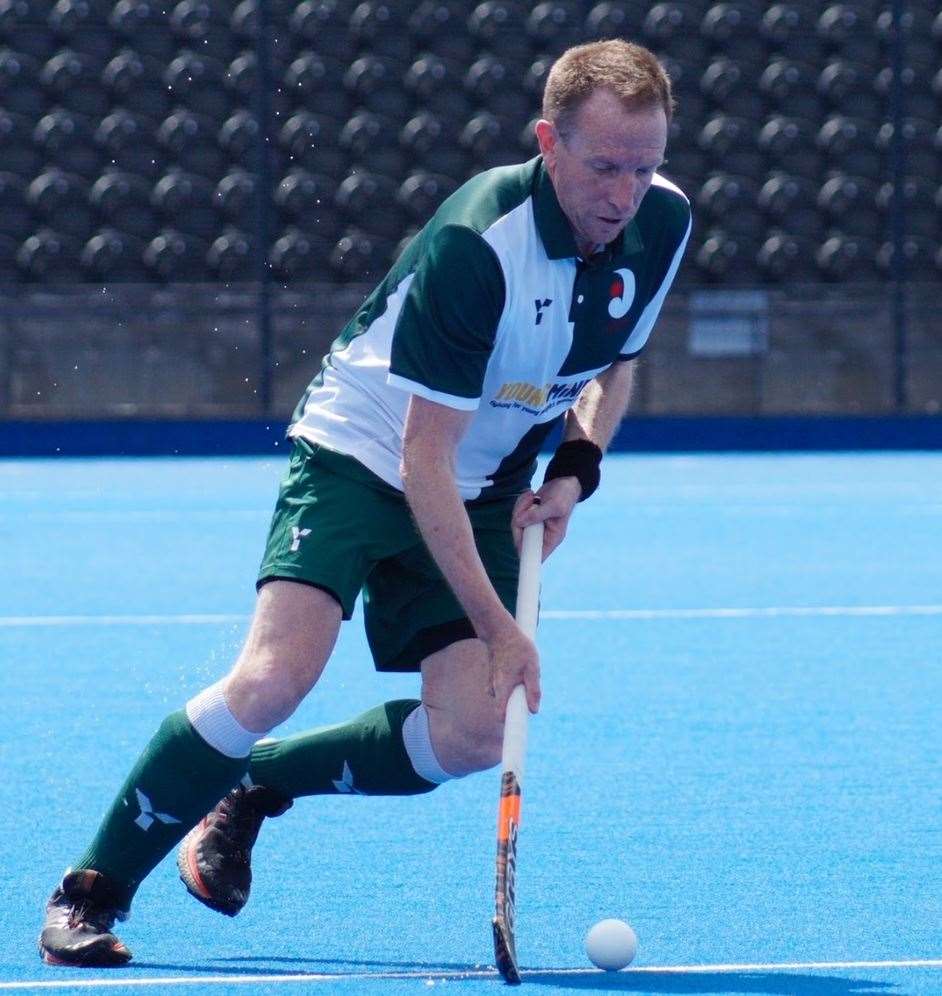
[491, 310]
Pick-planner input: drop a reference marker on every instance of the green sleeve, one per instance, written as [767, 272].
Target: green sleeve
[446, 329]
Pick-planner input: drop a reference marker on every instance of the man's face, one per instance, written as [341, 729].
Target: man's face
[604, 165]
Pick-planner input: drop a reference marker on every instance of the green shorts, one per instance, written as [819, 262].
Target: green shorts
[339, 527]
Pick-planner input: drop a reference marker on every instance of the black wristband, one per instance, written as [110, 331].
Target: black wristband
[577, 458]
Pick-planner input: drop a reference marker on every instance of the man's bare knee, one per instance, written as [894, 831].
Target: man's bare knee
[465, 724]
[292, 635]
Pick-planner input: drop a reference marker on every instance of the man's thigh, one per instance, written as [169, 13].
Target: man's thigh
[332, 522]
[412, 613]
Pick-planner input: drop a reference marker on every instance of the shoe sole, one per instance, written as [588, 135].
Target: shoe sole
[91, 957]
[191, 878]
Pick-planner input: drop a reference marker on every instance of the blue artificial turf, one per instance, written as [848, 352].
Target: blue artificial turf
[754, 789]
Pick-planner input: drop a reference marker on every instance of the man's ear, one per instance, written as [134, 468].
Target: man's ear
[548, 138]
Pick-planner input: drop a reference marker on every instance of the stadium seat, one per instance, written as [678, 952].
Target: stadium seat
[359, 257]
[312, 83]
[238, 136]
[60, 201]
[729, 201]
[919, 199]
[49, 257]
[421, 194]
[729, 86]
[186, 201]
[25, 33]
[307, 201]
[195, 81]
[129, 143]
[367, 201]
[431, 142]
[850, 203]
[190, 140]
[112, 256]
[298, 255]
[730, 142]
[846, 257]
[439, 27]
[17, 220]
[319, 24]
[735, 27]
[82, 25]
[790, 30]
[435, 84]
[376, 84]
[792, 87]
[850, 145]
[373, 140]
[554, 25]
[485, 141]
[498, 26]
[782, 257]
[845, 29]
[847, 88]
[379, 27]
[144, 26]
[67, 140]
[231, 256]
[919, 253]
[19, 84]
[495, 85]
[668, 26]
[123, 201]
[173, 256]
[72, 81]
[197, 25]
[789, 144]
[789, 202]
[311, 141]
[920, 146]
[614, 20]
[726, 257]
[234, 198]
[134, 83]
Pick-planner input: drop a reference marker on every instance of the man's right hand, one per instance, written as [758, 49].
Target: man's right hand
[514, 661]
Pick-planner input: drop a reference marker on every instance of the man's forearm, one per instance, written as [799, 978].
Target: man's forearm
[443, 522]
[601, 407]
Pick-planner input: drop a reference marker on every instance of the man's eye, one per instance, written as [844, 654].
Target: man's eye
[603, 169]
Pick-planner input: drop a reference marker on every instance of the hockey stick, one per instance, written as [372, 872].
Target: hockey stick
[511, 782]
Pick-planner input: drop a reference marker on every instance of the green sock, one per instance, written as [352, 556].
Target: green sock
[175, 782]
[366, 756]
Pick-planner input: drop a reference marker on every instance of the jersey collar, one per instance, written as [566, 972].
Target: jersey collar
[556, 232]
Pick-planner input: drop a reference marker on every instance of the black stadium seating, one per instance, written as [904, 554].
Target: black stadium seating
[130, 142]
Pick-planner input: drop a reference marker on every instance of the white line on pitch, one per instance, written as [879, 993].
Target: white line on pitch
[208, 980]
[204, 619]
[769, 612]
[746, 613]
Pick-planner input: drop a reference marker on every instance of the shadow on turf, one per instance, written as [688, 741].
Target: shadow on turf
[772, 983]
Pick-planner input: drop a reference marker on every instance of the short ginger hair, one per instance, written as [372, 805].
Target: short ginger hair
[631, 72]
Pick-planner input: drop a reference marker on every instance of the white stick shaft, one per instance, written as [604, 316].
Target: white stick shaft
[528, 604]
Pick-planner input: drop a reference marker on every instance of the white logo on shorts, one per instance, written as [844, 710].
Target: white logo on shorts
[296, 536]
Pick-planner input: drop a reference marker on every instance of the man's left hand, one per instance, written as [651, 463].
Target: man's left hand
[552, 505]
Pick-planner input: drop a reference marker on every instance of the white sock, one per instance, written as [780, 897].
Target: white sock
[418, 741]
[211, 718]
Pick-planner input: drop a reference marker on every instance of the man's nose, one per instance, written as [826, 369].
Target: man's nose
[623, 192]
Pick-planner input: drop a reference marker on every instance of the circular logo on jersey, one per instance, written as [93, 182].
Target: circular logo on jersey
[623, 294]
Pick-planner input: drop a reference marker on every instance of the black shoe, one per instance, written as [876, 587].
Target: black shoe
[79, 917]
[215, 856]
